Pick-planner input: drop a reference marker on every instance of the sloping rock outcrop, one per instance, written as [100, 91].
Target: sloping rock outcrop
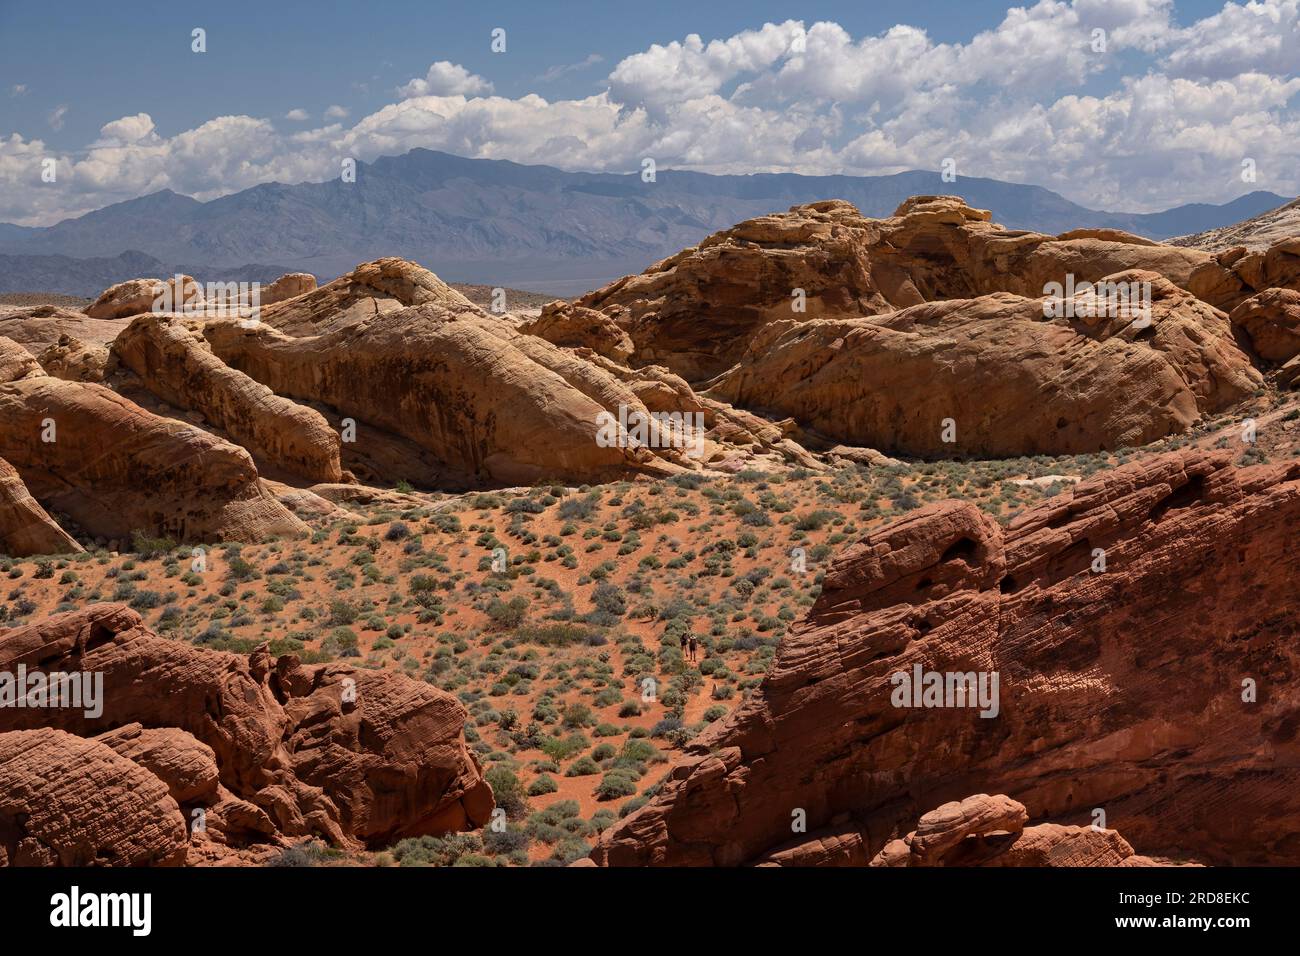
[114, 468]
[697, 312]
[490, 403]
[25, 527]
[1009, 380]
[1142, 635]
[371, 289]
[176, 364]
[350, 755]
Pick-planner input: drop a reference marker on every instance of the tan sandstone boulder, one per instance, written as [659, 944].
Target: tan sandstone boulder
[116, 469]
[136, 296]
[176, 364]
[992, 376]
[1270, 320]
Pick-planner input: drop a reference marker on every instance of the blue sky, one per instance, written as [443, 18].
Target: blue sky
[1182, 93]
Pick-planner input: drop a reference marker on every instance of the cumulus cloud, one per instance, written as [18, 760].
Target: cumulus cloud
[336, 112]
[128, 129]
[1241, 38]
[297, 116]
[55, 117]
[446, 79]
[1153, 115]
[18, 89]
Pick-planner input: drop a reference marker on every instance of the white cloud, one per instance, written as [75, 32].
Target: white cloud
[55, 118]
[1163, 115]
[446, 79]
[1241, 38]
[128, 129]
[555, 72]
[18, 89]
[336, 112]
[297, 116]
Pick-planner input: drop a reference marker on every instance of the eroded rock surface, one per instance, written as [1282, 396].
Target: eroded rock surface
[175, 363]
[1158, 689]
[697, 312]
[25, 527]
[114, 468]
[1010, 380]
[352, 756]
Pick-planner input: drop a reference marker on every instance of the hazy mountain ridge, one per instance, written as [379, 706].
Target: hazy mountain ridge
[500, 222]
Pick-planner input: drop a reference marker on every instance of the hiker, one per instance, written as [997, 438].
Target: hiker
[694, 644]
[683, 640]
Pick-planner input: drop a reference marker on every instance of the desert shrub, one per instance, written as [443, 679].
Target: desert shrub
[542, 785]
[436, 851]
[505, 615]
[615, 784]
[582, 767]
[508, 791]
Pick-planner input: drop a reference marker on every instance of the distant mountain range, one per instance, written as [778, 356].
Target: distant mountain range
[91, 276]
[501, 223]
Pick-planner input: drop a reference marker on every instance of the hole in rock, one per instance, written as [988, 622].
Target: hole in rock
[963, 549]
[1184, 497]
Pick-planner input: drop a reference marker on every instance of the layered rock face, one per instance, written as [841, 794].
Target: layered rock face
[1236, 274]
[1141, 635]
[1010, 381]
[175, 363]
[68, 801]
[114, 468]
[488, 402]
[371, 289]
[259, 750]
[25, 527]
[696, 312]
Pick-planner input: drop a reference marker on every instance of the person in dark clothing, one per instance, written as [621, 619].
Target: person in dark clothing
[694, 645]
[684, 642]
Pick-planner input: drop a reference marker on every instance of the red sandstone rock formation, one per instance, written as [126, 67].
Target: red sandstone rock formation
[114, 468]
[25, 527]
[67, 801]
[266, 749]
[990, 831]
[1141, 625]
